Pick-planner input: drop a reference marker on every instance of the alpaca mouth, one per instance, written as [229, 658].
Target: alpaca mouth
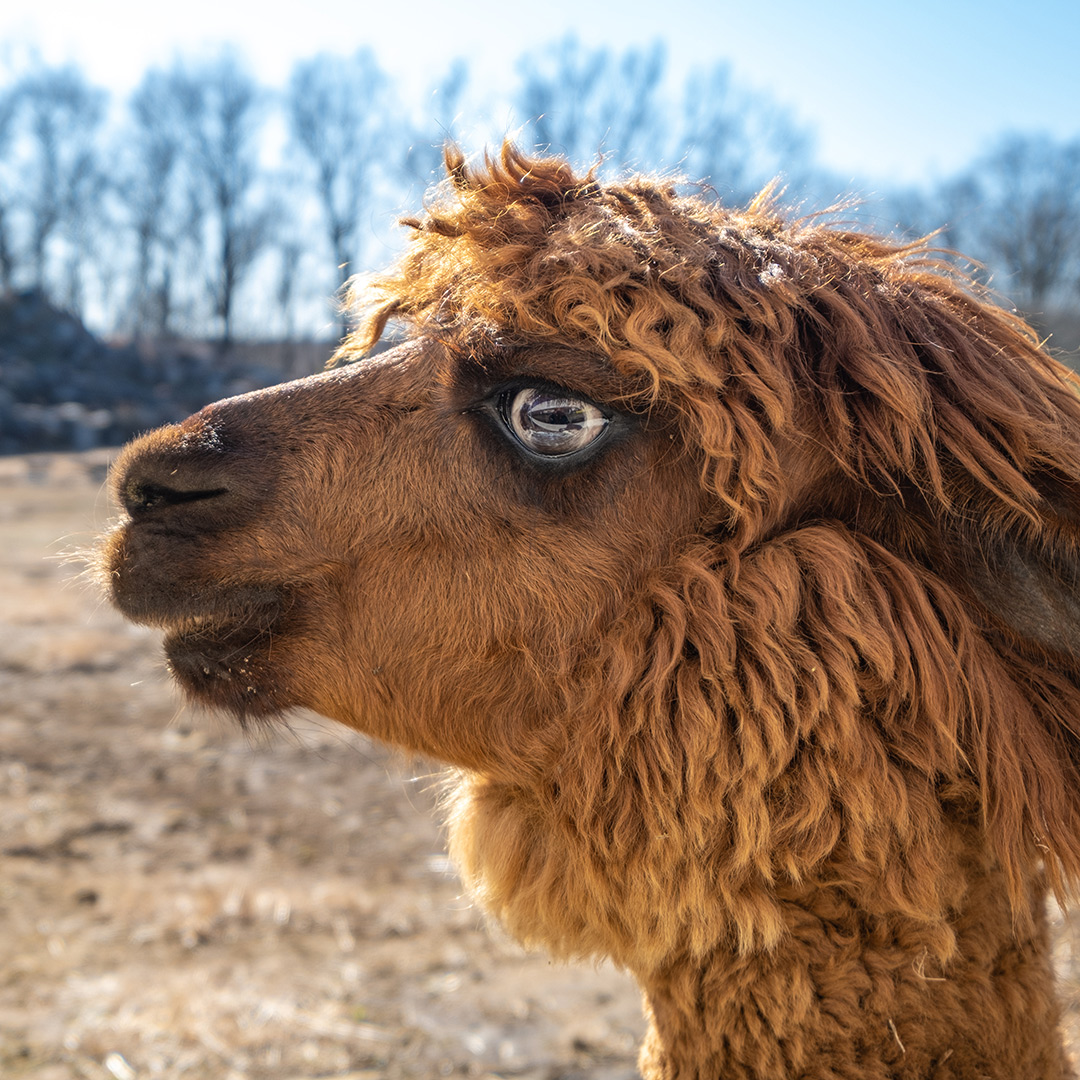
[222, 640]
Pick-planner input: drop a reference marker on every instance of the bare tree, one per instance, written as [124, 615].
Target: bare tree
[221, 111]
[586, 103]
[436, 127]
[8, 102]
[62, 114]
[1027, 189]
[338, 113]
[447, 97]
[738, 140]
[81, 221]
[151, 187]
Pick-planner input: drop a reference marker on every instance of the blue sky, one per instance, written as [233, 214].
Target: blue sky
[894, 92]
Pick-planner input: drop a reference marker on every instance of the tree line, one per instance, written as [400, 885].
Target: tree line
[206, 204]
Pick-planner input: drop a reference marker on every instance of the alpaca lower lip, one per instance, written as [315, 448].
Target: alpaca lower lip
[226, 665]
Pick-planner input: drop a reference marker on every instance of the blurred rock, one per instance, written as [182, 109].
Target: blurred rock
[62, 388]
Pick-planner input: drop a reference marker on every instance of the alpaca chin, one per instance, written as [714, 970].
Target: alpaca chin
[228, 667]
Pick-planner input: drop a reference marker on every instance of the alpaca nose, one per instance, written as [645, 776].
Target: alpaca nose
[142, 495]
[181, 473]
[213, 470]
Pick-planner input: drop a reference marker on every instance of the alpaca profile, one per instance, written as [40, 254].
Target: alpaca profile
[731, 563]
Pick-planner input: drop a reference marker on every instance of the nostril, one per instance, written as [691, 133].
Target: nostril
[140, 497]
[190, 475]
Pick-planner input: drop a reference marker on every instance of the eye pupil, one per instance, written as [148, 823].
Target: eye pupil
[554, 423]
[557, 416]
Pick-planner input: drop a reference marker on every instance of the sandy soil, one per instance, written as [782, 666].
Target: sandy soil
[178, 901]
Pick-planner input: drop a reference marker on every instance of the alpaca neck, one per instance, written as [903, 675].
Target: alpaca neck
[851, 995]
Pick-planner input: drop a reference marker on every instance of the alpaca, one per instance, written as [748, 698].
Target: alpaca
[729, 563]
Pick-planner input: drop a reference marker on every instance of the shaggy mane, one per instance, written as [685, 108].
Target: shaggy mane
[758, 333]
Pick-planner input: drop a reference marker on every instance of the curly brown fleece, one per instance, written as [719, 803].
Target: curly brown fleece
[773, 695]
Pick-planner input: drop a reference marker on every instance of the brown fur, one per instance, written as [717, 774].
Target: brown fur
[774, 697]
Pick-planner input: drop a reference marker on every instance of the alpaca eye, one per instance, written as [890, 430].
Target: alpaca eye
[552, 423]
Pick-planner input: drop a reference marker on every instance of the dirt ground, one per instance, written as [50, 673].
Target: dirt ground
[177, 900]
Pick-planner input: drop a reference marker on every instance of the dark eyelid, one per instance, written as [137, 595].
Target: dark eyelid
[478, 367]
[507, 388]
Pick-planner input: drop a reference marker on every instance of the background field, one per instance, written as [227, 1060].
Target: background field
[177, 900]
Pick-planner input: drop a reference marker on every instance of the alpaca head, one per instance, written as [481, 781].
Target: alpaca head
[719, 554]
